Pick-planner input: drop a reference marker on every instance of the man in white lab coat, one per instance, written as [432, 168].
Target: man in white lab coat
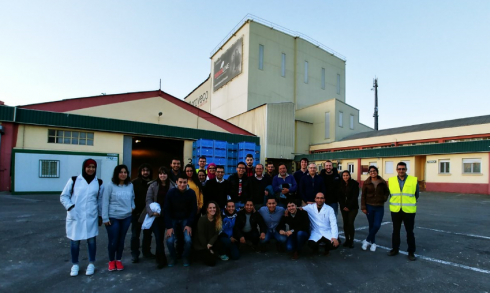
[323, 225]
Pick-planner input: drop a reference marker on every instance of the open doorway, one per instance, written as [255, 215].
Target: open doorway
[155, 151]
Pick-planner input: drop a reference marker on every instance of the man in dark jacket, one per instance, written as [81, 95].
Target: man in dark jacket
[310, 185]
[301, 172]
[246, 224]
[331, 179]
[238, 186]
[299, 228]
[175, 165]
[140, 186]
[257, 185]
[217, 189]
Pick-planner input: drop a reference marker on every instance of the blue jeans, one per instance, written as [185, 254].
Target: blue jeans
[178, 226]
[335, 207]
[375, 217]
[75, 250]
[296, 241]
[116, 232]
[273, 234]
[230, 247]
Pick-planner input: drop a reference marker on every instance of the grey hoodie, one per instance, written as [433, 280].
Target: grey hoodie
[117, 202]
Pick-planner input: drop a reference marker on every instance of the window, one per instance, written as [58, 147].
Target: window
[327, 125]
[341, 119]
[283, 65]
[306, 71]
[364, 169]
[49, 169]
[323, 78]
[339, 167]
[443, 166]
[70, 137]
[351, 120]
[388, 167]
[350, 167]
[261, 57]
[375, 164]
[338, 84]
[471, 166]
[408, 166]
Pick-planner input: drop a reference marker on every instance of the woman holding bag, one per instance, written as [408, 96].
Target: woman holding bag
[82, 197]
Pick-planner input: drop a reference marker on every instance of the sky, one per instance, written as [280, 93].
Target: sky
[431, 57]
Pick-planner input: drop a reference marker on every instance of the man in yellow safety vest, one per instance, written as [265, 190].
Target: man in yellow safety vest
[404, 193]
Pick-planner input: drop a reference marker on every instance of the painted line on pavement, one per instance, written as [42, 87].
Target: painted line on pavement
[455, 233]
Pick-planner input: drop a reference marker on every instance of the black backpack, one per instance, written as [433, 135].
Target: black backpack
[74, 179]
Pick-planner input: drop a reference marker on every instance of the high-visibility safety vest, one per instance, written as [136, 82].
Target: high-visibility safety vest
[404, 199]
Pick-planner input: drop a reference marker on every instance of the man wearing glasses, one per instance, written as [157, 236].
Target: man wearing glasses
[238, 186]
[404, 193]
[217, 189]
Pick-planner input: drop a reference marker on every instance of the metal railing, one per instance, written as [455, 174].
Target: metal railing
[278, 28]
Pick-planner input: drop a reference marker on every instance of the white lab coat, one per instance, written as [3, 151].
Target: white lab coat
[82, 220]
[323, 223]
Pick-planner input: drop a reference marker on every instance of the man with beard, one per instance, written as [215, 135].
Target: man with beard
[140, 186]
[331, 179]
[246, 225]
[175, 165]
[217, 189]
[257, 185]
[299, 229]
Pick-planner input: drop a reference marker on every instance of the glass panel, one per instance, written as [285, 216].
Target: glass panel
[59, 140]
[75, 134]
[74, 141]
[90, 142]
[51, 140]
[467, 167]
[51, 132]
[59, 132]
[261, 57]
[90, 135]
[83, 141]
[447, 167]
[66, 140]
[476, 168]
[67, 134]
[83, 134]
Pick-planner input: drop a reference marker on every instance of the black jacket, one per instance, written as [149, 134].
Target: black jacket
[255, 219]
[233, 191]
[257, 187]
[217, 192]
[301, 222]
[348, 195]
[140, 188]
[331, 185]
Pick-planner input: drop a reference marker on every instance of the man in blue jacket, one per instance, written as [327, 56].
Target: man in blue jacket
[310, 185]
[227, 237]
[284, 185]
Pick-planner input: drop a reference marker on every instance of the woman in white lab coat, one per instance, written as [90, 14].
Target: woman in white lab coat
[82, 197]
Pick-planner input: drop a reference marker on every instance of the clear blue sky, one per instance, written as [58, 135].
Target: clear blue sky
[431, 57]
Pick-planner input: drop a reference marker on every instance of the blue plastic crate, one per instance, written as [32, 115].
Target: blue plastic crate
[230, 170]
[257, 148]
[219, 161]
[204, 143]
[226, 176]
[243, 153]
[202, 151]
[232, 147]
[231, 161]
[219, 153]
[246, 146]
[220, 144]
[232, 154]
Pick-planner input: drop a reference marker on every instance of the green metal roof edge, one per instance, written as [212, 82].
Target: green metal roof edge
[67, 120]
[402, 151]
[72, 153]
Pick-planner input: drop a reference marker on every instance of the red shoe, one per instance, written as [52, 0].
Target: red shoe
[112, 266]
[119, 265]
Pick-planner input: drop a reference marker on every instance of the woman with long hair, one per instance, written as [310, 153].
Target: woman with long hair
[157, 191]
[82, 198]
[208, 228]
[375, 192]
[194, 184]
[349, 206]
[118, 205]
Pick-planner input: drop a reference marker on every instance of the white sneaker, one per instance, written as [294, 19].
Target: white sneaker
[373, 247]
[90, 270]
[74, 270]
[365, 244]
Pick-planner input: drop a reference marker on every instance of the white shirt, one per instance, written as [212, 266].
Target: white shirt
[323, 223]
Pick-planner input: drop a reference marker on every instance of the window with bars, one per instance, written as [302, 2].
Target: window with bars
[49, 169]
[70, 137]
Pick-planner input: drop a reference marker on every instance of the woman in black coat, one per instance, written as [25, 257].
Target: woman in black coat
[349, 206]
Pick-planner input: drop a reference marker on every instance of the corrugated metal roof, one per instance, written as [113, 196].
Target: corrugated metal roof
[422, 127]
[402, 151]
[67, 120]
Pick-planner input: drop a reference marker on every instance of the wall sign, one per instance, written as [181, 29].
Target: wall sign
[228, 65]
[431, 161]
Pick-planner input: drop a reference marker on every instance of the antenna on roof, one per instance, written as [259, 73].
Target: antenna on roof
[375, 86]
[160, 84]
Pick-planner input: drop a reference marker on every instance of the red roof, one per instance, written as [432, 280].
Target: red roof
[88, 102]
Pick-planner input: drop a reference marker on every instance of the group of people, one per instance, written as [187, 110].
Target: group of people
[202, 216]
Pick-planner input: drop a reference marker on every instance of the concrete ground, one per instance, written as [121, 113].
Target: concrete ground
[452, 235]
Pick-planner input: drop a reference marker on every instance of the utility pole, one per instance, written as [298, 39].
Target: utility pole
[375, 86]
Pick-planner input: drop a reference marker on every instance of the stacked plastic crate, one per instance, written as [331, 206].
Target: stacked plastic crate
[245, 148]
[219, 155]
[202, 147]
[257, 155]
[232, 160]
